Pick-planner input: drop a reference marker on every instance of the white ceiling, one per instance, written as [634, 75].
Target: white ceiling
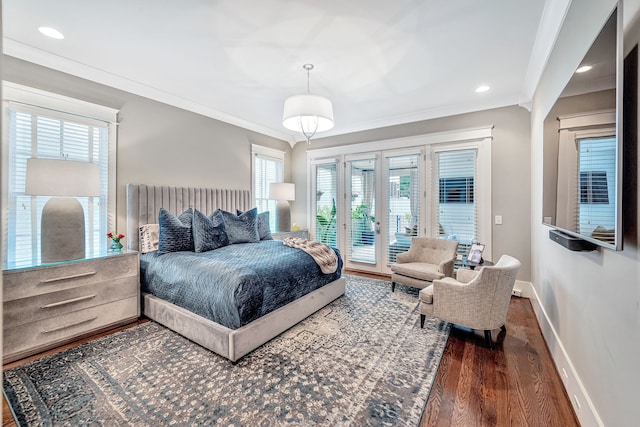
[381, 62]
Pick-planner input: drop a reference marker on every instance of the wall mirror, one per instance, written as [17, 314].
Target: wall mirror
[583, 146]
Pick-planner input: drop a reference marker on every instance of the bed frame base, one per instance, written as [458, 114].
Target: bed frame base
[235, 343]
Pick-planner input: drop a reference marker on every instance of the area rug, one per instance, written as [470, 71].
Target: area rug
[362, 360]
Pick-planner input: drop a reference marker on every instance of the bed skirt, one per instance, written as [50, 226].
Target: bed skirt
[235, 343]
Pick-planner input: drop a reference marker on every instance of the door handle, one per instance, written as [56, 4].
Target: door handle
[378, 227]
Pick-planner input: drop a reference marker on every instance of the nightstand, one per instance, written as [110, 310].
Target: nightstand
[46, 305]
[281, 235]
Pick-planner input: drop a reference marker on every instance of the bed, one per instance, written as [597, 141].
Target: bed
[232, 335]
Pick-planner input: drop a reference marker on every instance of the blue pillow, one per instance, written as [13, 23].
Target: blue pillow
[209, 232]
[264, 230]
[241, 228]
[175, 232]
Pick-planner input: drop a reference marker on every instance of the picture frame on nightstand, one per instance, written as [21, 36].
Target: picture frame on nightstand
[475, 253]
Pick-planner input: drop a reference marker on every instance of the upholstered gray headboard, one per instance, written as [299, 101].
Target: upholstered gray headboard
[144, 203]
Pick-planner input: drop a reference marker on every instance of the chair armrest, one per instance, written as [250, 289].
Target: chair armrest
[465, 275]
[403, 257]
[446, 267]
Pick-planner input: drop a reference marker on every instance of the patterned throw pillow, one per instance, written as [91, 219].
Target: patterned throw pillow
[175, 232]
[209, 232]
[264, 230]
[241, 228]
[149, 234]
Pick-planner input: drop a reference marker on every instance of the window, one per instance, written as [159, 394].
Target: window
[268, 166]
[457, 210]
[38, 128]
[596, 181]
[456, 190]
[594, 188]
[326, 227]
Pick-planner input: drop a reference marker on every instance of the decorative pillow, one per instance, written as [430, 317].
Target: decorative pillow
[209, 232]
[264, 230]
[241, 228]
[175, 232]
[149, 237]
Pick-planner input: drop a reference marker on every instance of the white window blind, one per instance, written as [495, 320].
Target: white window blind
[44, 133]
[325, 203]
[457, 206]
[597, 183]
[404, 203]
[268, 166]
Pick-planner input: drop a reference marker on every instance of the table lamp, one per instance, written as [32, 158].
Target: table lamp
[282, 192]
[62, 223]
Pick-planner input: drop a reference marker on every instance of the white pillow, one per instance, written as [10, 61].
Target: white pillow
[149, 236]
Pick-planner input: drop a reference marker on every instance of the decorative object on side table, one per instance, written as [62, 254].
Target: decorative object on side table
[115, 241]
[282, 192]
[62, 227]
[475, 254]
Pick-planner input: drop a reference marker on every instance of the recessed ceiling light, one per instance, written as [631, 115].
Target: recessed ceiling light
[51, 32]
[584, 69]
[482, 88]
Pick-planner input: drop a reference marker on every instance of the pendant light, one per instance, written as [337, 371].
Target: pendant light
[308, 113]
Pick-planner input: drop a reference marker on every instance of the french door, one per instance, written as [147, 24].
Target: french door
[363, 212]
[369, 200]
[383, 194]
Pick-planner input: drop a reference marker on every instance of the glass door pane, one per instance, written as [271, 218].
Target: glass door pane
[403, 202]
[361, 242]
[326, 230]
[457, 208]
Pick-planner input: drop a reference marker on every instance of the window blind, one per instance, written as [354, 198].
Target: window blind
[325, 203]
[35, 132]
[457, 208]
[404, 203]
[596, 183]
[266, 169]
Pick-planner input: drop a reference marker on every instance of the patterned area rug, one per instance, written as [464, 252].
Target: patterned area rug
[362, 360]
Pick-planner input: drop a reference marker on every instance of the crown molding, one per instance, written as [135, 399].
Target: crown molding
[553, 16]
[40, 57]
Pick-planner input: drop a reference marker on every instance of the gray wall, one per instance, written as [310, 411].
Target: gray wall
[157, 143]
[510, 178]
[589, 302]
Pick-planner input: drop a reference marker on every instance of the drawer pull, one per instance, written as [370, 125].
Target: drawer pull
[49, 331]
[69, 301]
[74, 276]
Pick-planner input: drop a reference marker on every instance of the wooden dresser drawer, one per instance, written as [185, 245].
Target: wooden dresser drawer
[32, 337]
[47, 306]
[25, 283]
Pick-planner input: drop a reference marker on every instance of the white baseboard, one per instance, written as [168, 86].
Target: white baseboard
[522, 289]
[582, 404]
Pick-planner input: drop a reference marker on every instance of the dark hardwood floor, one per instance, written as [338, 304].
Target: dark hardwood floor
[515, 384]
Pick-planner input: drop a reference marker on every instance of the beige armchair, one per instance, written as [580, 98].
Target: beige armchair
[476, 299]
[428, 259]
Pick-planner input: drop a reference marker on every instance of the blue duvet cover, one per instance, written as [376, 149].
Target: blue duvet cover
[235, 284]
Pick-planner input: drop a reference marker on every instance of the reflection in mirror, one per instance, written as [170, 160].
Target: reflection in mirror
[582, 147]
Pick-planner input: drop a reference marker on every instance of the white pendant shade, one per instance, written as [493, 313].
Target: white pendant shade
[302, 112]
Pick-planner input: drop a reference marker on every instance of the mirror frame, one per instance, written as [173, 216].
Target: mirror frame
[619, 77]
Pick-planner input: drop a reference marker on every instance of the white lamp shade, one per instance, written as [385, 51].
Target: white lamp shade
[54, 177]
[282, 191]
[304, 110]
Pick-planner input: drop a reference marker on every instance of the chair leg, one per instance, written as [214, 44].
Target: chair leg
[487, 338]
[393, 286]
[422, 318]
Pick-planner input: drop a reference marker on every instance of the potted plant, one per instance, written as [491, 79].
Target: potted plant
[326, 224]
[361, 223]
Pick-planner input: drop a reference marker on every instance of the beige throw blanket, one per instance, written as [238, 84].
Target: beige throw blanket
[322, 254]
